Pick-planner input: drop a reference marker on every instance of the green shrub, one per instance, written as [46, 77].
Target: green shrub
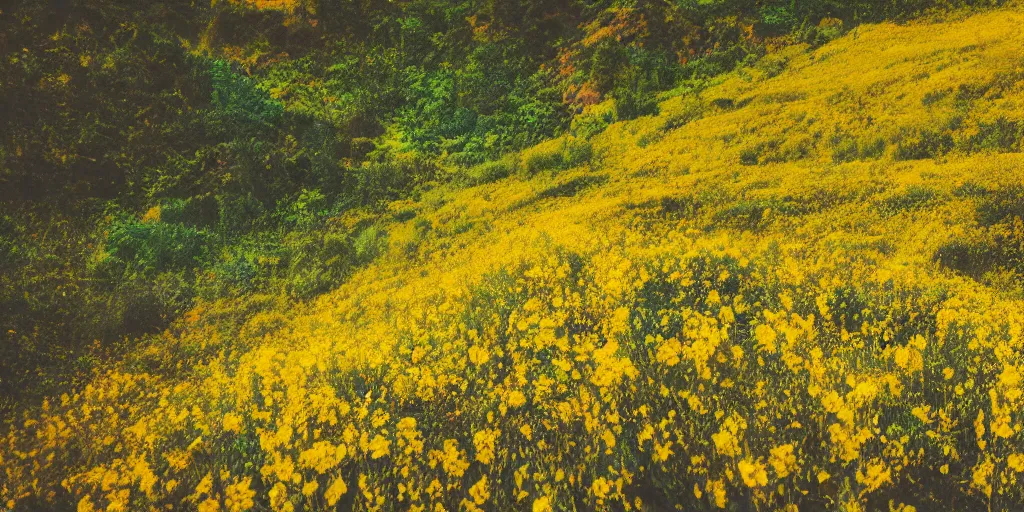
[489, 172]
[307, 209]
[913, 198]
[996, 249]
[317, 262]
[828, 29]
[844, 149]
[194, 211]
[573, 186]
[577, 152]
[153, 247]
[747, 215]
[145, 305]
[635, 98]
[594, 120]
[972, 259]
[1003, 204]
[970, 189]
[543, 159]
[692, 109]
[771, 65]
[848, 149]
[240, 108]
[1001, 135]
[922, 143]
[558, 155]
[370, 243]
[750, 155]
[775, 151]
[391, 177]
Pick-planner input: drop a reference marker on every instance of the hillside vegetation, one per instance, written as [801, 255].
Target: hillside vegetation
[796, 285]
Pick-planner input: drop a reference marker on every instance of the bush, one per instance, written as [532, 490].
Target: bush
[692, 109]
[771, 65]
[594, 119]
[240, 108]
[775, 151]
[636, 97]
[913, 198]
[370, 243]
[1004, 204]
[747, 215]
[391, 177]
[317, 262]
[828, 29]
[145, 305]
[577, 152]
[998, 248]
[150, 248]
[542, 158]
[848, 149]
[573, 186]
[557, 155]
[969, 258]
[922, 143]
[492, 171]
[1001, 135]
[307, 209]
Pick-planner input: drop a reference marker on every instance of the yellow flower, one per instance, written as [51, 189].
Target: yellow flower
[876, 474]
[516, 399]
[205, 485]
[726, 443]
[980, 476]
[84, 504]
[782, 460]
[542, 504]
[753, 473]
[717, 489]
[1016, 462]
[921, 412]
[527, 432]
[335, 491]
[478, 355]
[379, 447]
[209, 505]
[309, 488]
[609, 438]
[278, 496]
[479, 491]
[600, 488]
[232, 422]
[662, 451]
[979, 429]
[727, 439]
[239, 496]
[322, 456]
[765, 337]
[452, 458]
[484, 441]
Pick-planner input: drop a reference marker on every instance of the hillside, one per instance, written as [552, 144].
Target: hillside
[797, 286]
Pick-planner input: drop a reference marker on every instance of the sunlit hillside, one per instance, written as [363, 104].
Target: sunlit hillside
[799, 288]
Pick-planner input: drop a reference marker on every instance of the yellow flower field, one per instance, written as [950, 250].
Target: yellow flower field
[800, 289]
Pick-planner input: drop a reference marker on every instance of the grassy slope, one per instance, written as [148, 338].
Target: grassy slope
[678, 317]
